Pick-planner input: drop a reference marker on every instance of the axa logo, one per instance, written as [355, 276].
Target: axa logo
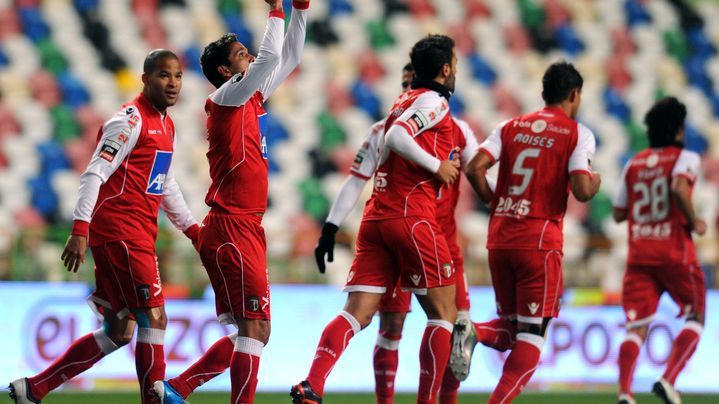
[533, 307]
[158, 174]
[415, 278]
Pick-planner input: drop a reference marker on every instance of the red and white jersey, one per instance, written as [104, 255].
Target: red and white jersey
[658, 231]
[236, 120]
[368, 155]
[401, 187]
[537, 153]
[132, 159]
[449, 196]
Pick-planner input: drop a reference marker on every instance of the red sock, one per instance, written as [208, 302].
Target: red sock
[518, 368]
[683, 347]
[243, 369]
[211, 364]
[332, 343]
[433, 358]
[149, 360]
[628, 352]
[450, 386]
[386, 359]
[79, 356]
[499, 333]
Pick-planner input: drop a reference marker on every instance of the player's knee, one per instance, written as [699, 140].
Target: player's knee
[392, 323]
[696, 317]
[538, 329]
[120, 337]
[640, 331]
[105, 342]
[255, 329]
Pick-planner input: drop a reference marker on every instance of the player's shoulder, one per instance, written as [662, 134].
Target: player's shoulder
[130, 114]
[689, 155]
[377, 128]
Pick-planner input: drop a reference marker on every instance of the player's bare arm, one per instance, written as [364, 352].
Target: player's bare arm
[681, 192]
[477, 176]
[584, 186]
[619, 214]
[275, 5]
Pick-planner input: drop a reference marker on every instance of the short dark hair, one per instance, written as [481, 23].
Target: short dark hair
[154, 57]
[408, 67]
[664, 120]
[429, 54]
[560, 79]
[214, 55]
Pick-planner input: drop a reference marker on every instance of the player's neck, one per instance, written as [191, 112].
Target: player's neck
[432, 85]
[562, 106]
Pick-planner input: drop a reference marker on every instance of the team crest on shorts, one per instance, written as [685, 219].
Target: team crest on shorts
[415, 279]
[254, 303]
[447, 270]
[631, 314]
[533, 307]
[143, 292]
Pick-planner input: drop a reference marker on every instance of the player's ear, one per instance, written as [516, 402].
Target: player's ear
[224, 71]
[145, 79]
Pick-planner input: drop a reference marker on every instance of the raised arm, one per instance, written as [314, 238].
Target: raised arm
[119, 137]
[238, 89]
[292, 48]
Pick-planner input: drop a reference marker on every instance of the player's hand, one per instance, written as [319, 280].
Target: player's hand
[74, 253]
[325, 246]
[699, 226]
[274, 4]
[449, 169]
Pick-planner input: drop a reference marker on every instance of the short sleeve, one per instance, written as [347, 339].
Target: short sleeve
[492, 146]
[581, 158]
[426, 111]
[119, 137]
[365, 162]
[688, 165]
[620, 197]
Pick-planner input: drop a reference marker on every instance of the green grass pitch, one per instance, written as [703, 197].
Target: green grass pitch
[363, 398]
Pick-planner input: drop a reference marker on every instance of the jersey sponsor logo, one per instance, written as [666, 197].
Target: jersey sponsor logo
[506, 205]
[533, 307]
[539, 126]
[415, 278]
[262, 120]
[417, 121]
[652, 160]
[558, 129]
[158, 174]
[129, 110]
[109, 150]
[154, 131]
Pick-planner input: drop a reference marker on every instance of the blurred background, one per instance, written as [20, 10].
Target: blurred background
[66, 66]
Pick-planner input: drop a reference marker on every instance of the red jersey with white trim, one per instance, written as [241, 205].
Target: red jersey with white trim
[537, 153]
[236, 119]
[401, 187]
[368, 155]
[133, 187]
[658, 231]
[449, 196]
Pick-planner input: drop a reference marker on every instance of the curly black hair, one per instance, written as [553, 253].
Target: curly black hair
[664, 120]
[214, 55]
[429, 54]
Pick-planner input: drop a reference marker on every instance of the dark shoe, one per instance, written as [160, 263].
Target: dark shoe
[302, 394]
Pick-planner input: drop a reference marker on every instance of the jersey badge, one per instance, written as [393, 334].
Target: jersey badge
[418, 121]
[539, 126]
[129, 110]
[158, 175]
[109, 150]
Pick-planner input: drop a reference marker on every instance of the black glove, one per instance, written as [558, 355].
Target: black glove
[325, 245]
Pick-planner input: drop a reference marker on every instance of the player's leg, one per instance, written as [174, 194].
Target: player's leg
[688, 289]
[212, 363]
[393, 310]
[463, 334]
[640, 298]
[357, 314]
[538, 290]
[80, 356]
[252, 336]
[150, 349]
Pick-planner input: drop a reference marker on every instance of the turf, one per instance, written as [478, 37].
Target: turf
[212, 398]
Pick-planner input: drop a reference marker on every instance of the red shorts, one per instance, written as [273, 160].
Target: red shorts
[395, 300]
[527, 283]
[411, 249]
[644, 285]
[233, 251]
[127, 276]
